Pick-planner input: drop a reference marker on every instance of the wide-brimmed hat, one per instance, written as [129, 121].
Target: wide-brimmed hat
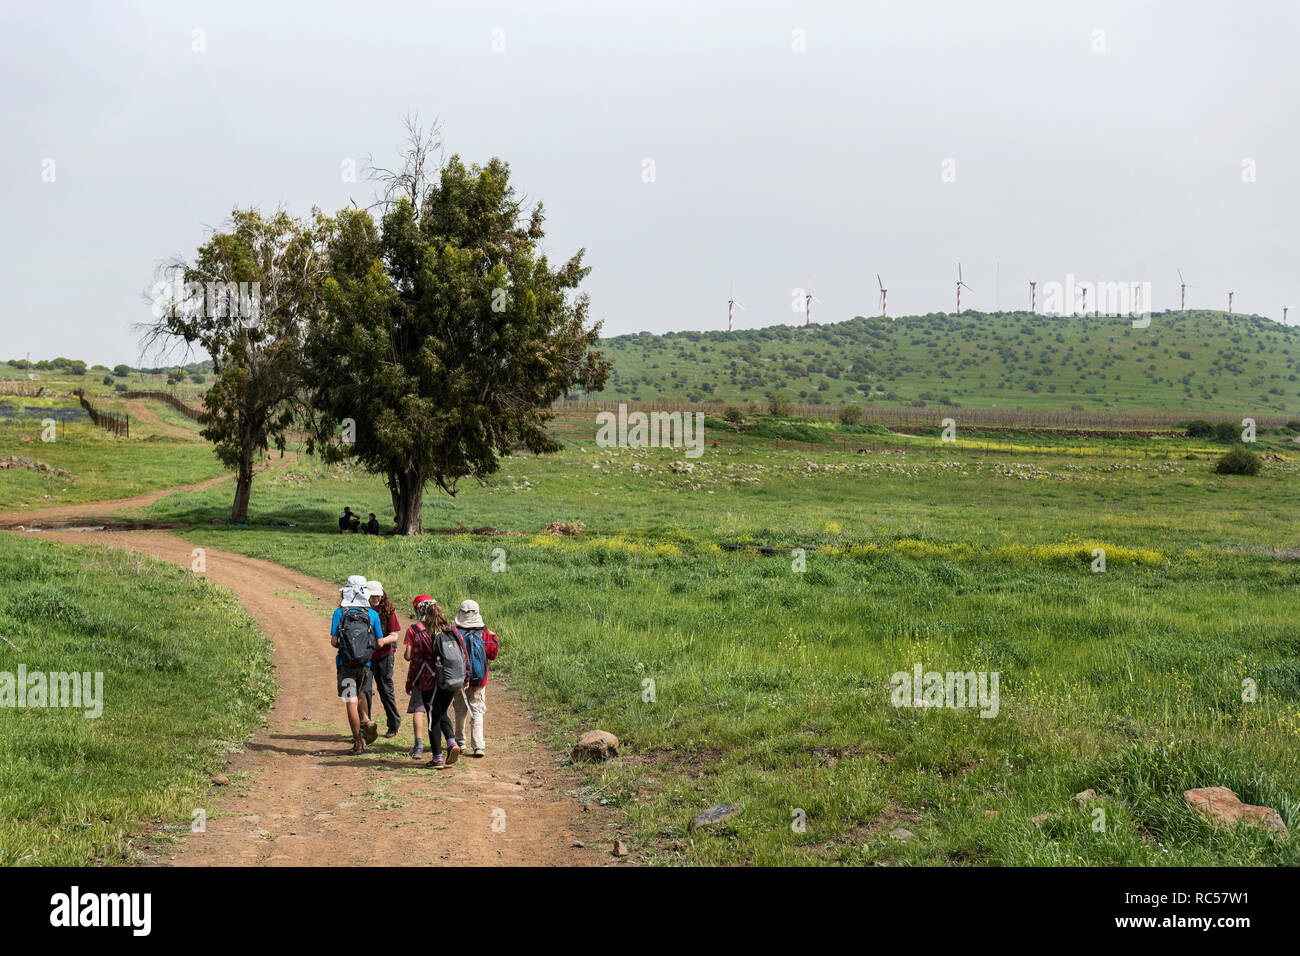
[354, 594]
[374, 589]
[468, 615]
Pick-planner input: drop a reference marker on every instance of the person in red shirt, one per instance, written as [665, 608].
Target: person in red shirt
[381, 662]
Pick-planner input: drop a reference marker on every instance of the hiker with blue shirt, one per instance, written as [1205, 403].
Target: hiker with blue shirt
[356, 632]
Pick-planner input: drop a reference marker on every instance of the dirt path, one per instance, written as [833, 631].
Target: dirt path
[296, 799]
[90, 510]
[98, 512]
[144, 413]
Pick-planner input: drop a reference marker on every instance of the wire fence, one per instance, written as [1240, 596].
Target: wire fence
[109, 421]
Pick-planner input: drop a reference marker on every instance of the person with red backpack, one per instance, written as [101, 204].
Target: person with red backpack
[437, 671]
[481, 646]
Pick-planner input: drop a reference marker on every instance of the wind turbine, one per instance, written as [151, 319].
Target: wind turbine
[731, 302]
[1230, 295]
[1284, 308]
[1033, 296]
[808, 300]
[959, 285]
[883, 293]
[1182, 295]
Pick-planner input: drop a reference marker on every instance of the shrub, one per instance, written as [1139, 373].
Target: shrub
[1238, 460]
[779, 405]
[850, 415]
[732, 414]
[1227, 431]
[1199, 429]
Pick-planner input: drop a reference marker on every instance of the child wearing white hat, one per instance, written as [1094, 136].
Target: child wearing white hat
[481, 646]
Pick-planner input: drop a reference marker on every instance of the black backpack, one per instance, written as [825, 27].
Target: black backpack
[356, 636]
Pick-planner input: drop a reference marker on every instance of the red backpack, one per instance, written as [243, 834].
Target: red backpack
[422, 672]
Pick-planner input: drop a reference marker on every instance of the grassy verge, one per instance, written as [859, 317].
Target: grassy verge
[186, 677]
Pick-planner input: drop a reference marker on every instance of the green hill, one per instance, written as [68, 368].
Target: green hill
[1195, 362]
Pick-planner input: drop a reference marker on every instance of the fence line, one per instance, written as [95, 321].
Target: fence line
[188, 411]
[109, 421]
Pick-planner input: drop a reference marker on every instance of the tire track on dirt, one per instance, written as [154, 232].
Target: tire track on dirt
[297, 799]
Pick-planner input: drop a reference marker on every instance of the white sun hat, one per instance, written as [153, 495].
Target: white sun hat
[374, 589]
[468, 615]
[353, 594]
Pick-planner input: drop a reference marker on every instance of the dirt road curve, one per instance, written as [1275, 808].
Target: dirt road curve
[144, 413]
[295, 798]
[88, 511]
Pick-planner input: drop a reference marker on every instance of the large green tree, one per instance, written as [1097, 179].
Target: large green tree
[246, 299]
[446, 334]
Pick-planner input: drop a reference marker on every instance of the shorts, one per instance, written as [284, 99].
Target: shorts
[353, 680]
[421, 701]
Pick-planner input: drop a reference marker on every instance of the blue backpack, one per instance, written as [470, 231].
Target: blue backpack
[476, 648]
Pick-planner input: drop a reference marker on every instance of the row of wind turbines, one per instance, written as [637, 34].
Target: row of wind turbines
[809, 299]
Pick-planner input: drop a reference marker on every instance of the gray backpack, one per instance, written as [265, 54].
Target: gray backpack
[449, 654]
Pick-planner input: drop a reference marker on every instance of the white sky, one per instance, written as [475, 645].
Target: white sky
[774, 169]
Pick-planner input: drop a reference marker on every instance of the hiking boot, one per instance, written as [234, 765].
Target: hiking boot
[418, 750]
[453, 754]
[478, 752]
[392, 732]
[371, 731]
[437, 763]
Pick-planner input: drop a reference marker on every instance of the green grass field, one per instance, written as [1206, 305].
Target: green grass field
[771, 685]
[763, 679]
[186, 677]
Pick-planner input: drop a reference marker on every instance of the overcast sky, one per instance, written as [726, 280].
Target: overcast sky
[793, 145]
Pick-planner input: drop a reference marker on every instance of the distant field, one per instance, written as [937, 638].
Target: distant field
[102, 465]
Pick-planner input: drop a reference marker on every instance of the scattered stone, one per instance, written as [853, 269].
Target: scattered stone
[620, 848]
[577, 844]
[1223, 808]
[596, 745]
[992, 814]
[1043, 818]
[221, 780]
[901, 834]
[681, 467]
[715, 815]
[565, 528]
[1085, 796]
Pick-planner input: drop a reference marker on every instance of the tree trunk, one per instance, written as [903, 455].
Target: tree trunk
[243, 487]
[408, 502]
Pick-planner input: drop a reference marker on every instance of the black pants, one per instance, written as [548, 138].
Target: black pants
[439, 719]
[382, 678]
